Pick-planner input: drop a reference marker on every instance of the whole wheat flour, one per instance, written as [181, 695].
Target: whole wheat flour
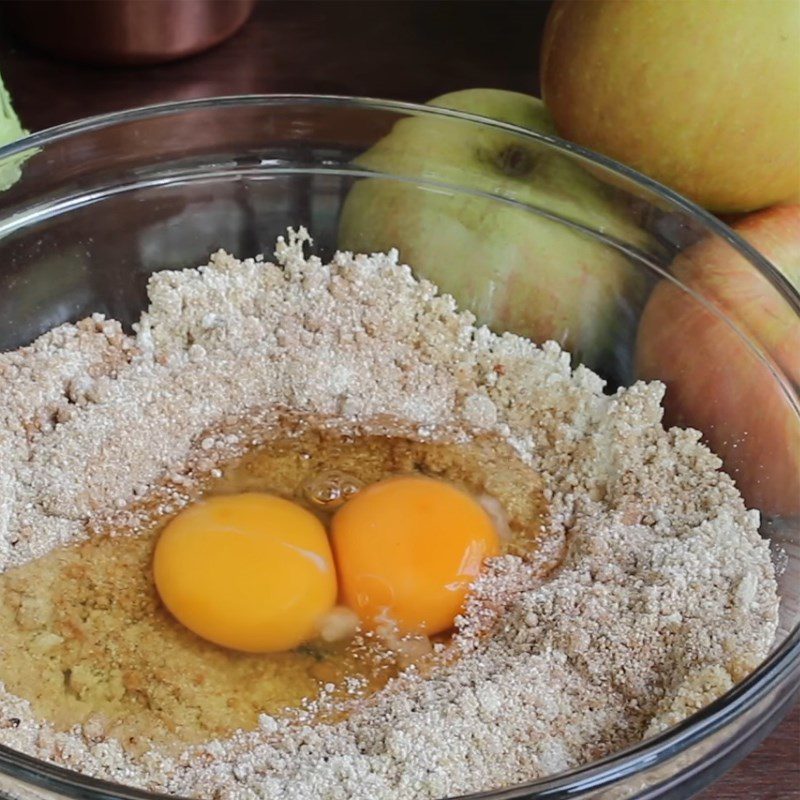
[665, 596]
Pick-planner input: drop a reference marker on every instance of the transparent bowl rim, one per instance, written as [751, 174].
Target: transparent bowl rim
[779, 667]
[98, 122]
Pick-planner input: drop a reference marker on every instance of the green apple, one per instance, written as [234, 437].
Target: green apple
[10, 131]
[715, 382]
[468, 217]
[703, 96]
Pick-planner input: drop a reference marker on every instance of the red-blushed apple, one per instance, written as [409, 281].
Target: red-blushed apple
[703, 96]
[715, 381]
[483, 241]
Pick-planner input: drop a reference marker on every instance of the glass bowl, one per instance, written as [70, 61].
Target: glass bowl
[95, 206]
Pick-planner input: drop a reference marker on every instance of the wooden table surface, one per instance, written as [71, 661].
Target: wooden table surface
[400, 50]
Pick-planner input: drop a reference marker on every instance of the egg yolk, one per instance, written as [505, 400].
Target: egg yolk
[407, 550]
[252, 571]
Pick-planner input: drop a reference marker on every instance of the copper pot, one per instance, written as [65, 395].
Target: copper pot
[125, 31]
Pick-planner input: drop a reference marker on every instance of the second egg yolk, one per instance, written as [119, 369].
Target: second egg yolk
[407, 550]
[252, 571]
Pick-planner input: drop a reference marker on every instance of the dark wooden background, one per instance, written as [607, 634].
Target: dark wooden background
[400, 50]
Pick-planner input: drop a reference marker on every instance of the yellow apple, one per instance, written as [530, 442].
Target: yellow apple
[514, 268]
[714, 381]
[703, 96]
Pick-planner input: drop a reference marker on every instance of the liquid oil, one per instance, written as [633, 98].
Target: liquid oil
[85, 639]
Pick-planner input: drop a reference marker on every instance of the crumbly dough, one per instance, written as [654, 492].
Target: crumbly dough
[665, 596]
